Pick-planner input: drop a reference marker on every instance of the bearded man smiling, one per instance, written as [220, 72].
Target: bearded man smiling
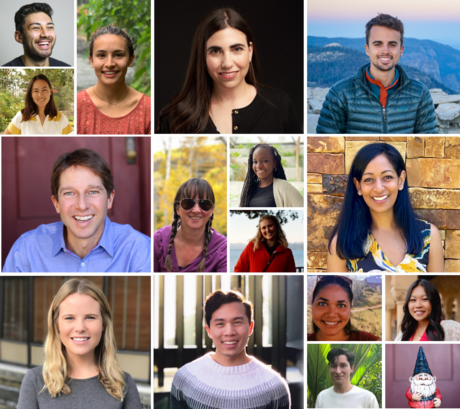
[380, 98]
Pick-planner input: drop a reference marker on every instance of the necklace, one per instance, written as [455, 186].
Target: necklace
[108, 101]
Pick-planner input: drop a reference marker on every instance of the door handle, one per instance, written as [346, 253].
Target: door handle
[131, 153]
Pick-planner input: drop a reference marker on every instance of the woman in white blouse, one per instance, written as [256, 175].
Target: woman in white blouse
[40, 115]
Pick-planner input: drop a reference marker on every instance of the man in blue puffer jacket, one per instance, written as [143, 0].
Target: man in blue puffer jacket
[380, 98]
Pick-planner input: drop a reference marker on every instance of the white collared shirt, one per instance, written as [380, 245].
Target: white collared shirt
[58, 125]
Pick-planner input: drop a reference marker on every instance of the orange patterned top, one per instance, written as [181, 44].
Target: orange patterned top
[91, 121]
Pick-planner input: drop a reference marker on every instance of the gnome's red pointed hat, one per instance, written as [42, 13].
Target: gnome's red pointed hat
[421, 365]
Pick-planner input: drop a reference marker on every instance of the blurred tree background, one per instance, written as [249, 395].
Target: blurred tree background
[132, 15]
[367, 373]
[13, 87]
[192, 157]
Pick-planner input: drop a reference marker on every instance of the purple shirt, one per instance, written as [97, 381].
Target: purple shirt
[216, 261]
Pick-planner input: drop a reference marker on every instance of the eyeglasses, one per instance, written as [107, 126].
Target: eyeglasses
[330, 277]
[205, 204]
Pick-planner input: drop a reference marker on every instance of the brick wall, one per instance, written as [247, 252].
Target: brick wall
[433, 171]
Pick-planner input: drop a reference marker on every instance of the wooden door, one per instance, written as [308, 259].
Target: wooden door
[27, 163]
[443, 360]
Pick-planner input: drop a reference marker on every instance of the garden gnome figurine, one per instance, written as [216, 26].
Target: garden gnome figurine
[422, 392]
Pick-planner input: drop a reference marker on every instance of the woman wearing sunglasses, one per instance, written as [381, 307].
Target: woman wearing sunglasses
[268, 251]
[331, 303]
[190, 244]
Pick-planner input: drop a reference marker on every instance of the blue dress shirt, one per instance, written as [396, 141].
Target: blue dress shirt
[121, 249]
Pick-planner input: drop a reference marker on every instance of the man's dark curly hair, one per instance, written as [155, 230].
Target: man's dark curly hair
[385, 20]
[24, 11]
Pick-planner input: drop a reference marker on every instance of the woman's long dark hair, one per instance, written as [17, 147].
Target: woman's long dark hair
[327, 281]
[190, 189]
[251, 181]
[189, 110]
[31, 107]
[434, 331]
[355, 219]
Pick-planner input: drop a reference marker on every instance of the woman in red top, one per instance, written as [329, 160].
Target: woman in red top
[268, 251]
[331, 309]
[111, 107]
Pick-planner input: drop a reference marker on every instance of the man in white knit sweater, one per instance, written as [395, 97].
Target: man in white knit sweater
[343, 394]
[228, 378]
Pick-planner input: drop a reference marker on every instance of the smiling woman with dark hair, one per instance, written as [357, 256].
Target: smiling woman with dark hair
[377, 228]
[331, 303]
[422, 319]
[111, 106]
[40, 115]
[221, 92]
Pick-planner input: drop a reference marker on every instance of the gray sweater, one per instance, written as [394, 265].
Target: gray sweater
[204, 384]
[85, 393]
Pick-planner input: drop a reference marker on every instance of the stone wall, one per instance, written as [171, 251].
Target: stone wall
[433, 171]
[447, 108]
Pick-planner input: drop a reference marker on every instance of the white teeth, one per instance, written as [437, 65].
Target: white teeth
[84, 218]
[380, 198]
[230, 342]
[109, 72]
[80, 339]
[330, 323]
[195, 218]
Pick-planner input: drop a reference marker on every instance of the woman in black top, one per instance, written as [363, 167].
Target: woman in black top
[221, 93]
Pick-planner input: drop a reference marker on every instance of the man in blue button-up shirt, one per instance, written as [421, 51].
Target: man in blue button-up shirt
[85, 240]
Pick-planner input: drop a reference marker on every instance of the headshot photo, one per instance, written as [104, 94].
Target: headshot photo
[422, 309]
[344, 375]
[190, 192]
[71, 341]
[384, 70]
[113, 76]
[226, 348]
[75, 223]
[37, 101]
[233, 70]
[267, 172]
[383, 204]
[344, 308]
[264, 241]
[38, 34]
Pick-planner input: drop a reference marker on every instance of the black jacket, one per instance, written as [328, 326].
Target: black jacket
[17, 62]
[271, 111]
[351, 107]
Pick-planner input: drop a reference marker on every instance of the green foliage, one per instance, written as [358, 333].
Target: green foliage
[132, 15]
[367, 372]
[235, 154]
[9, 107]
[281, 215]
[239, 172]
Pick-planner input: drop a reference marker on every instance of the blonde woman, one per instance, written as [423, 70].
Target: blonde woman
[81, 369]
[268, 251]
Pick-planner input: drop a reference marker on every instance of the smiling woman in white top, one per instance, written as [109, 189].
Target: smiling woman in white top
[40, 115]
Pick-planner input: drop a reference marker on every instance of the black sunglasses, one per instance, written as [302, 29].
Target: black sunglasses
[205, 204]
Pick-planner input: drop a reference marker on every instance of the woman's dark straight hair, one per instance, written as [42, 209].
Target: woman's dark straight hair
[331, 280]
[434, 331]
[189, 110]
[355, 219]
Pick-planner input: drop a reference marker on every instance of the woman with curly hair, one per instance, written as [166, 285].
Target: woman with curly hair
[268, 251]
[190, 244]
[81, 367]
[265, 184]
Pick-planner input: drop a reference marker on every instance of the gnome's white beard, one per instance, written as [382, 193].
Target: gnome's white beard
[426, 388]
